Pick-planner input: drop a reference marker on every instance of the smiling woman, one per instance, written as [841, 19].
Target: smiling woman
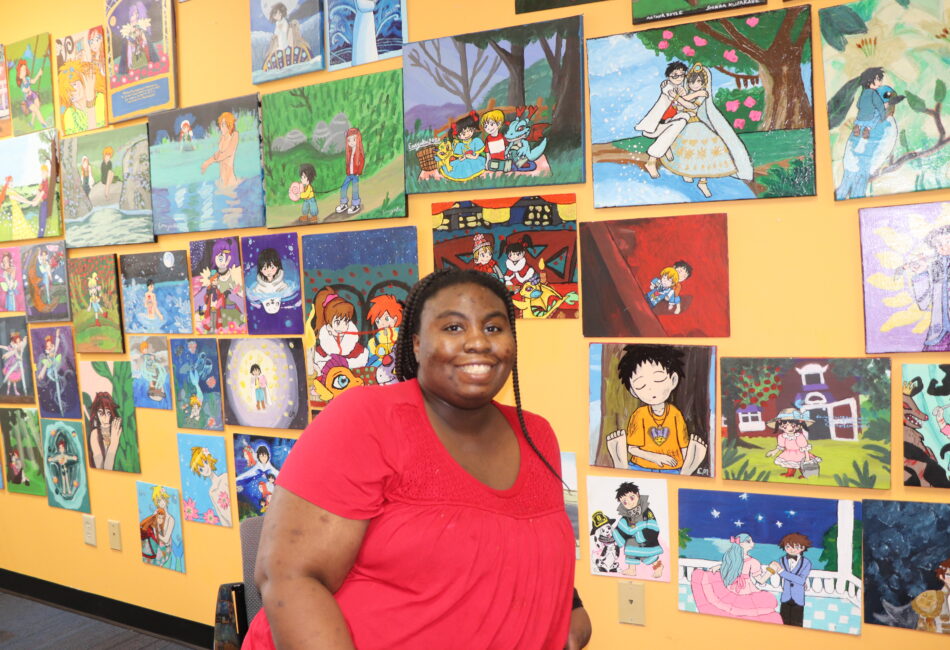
[415, 513]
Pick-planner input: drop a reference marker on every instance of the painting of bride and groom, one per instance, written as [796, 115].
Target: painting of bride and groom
[708, 111]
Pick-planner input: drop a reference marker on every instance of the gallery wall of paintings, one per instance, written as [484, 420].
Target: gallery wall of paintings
[209, 219]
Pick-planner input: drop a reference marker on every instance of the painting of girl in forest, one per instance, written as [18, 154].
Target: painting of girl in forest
[30, 80]
[94, 296]
[109, 415]
[217, 286]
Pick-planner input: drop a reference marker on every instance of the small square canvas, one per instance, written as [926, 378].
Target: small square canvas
[16, 384]
[257, 463]
[272, 278]
[807, 421]
[81, 81]
[645, 11]
[286, 38]
[197, 384]
[363, 31]
[67, 482]
[94, 298]
[28, 165]
[11, 285]
[925, 390]
[217, 287]
[265, 382]
[151, 373]
[155, 295]
[656, 277]
[45, 282]
[160, 524]
[23, 449]
[109, 415]
[529, 243]
[6, 118]
[30, 80]
[54, 358]
[205, 488]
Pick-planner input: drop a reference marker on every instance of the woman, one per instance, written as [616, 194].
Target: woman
[31, 103]
[85, 175]
[792, 447]
[438, 513]
[203, 464]
[707, 146]
[467, 158]
[734, 588]
[105, 431]
[13, 364]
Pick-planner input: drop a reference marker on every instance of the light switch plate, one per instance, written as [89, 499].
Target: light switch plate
[632, 603]
[89, 529]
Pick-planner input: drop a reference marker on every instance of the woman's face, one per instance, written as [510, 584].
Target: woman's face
[205, 468]
[351, 140]
[696, 84]
[467, 132]
[465, 347]
[747, 545]
[788, 426]
[105, 417]
[339, 324]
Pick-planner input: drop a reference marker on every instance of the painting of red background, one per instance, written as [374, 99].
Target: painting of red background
[619, 258]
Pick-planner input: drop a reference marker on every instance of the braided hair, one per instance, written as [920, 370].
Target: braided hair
[407, 366]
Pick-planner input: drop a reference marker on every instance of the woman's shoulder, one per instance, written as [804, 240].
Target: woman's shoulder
[540, 430]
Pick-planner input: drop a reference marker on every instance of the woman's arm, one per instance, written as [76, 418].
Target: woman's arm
[305, 554]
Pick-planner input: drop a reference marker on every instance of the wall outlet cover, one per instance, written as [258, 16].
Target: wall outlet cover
[632, 603]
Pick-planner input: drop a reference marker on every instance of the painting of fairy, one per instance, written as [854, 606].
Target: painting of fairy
[29, 203]
[528, 243]
[94, 297]
[501, 108]
[363, 31]
[257, 464]
[16, 364]
[30, 81]
[197, 389]
[924, 391]
[151, 372]
[11, 285]
[645, 11]
[885, 65]
[67, 481]
[206, 490]
[217, 287]
[286, 38]
[6, 119]
[156, 298]
[706, 111]
[54, 359]
[265, 382]
[81, 80]
[109, 415]
[23, 451]
[45, 284]
[160, 518]
[272, 278]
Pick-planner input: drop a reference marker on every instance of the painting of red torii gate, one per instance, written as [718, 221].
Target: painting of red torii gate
[815, 421]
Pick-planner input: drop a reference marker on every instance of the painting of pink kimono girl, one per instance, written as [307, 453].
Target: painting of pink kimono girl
[333, 319]
[792, 447]
[354, 159]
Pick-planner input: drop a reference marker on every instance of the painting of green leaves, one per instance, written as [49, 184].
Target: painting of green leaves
[109, 415]
[23, 451]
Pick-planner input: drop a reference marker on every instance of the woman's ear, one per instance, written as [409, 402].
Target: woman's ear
[415, 346]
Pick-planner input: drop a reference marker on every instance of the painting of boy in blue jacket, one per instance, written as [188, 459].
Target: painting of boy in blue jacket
[637, 532]
[793, 569]
[871, 108]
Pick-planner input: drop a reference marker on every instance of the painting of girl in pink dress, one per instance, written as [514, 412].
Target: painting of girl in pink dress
[792, 448]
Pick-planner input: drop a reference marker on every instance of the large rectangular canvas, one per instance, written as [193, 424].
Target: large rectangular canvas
[197, 384]
[925, 389]
[257, 463]
[140, 54]
[272, 278]
[907, 565]
[569, 475]
[23, 451]
[155, 295]
[355, 284]
[656, 277]
[653, 408]
[807, 421]
[885, 69]
[363, 31]
[773, 559]
[81, 86]
[286, 38]
[94, 298]
[11, 285]
[529, 243]
[54, 358]
[45, 282]
[29, 202]
[905, 250]
[709, 111]
[502, 108]
[217, 287]
[67, 481]
[109, 415]
[629, 528]
[6, 119]
[645, 11]
[151, 372]
[107, 188]
[206, 167]
[206, 490]
[526, 6]
[333, 151]
[160, 525]
[16, 383]
[30, 80]
[265, 382]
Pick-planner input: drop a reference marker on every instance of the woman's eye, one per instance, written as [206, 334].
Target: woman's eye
[453, 327]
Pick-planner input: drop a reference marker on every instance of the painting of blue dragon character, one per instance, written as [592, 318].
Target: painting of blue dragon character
[155, 293]
[257, 464]
[206, 167]
[197, 384]
[885, 64]
[160, 525]
[286, 38]
[151, 372]
[501, 108]
[272, 281]
[363, 31]
[67, 483]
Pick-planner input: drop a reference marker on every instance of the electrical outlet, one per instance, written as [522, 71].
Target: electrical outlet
[89, 529]
[632, 603]
[115, 537]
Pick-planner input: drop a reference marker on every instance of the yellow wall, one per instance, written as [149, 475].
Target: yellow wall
[782, 252]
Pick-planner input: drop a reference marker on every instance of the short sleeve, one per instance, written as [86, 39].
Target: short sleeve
[636, 435]
[682, 433]
[340, 463]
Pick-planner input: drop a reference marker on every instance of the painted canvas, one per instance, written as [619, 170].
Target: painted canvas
[653, 407]
[217, 287]
[885, 78]
[635, 541]
[205, 488]
[257, 463]
[54, 358]
[907, 565]
[666, 276]
[16, 384]
[160, 525]
[11, 286]
[569, 475]
[197, 384]
[81, 81]
[905, 251]
[6, 119]
[107, 188]
[645, 11]
[807, 421]
[709, 111]
[155, 294]
[525, 6]
[30, 80]
[45, 283]
[140, 51]
[363, 31]
[109, 415]
[355, 284]
[772, 559]
[67, 482]
[151, 373]
[529, 243]
[23, 449]
[286, 38]
[265, 382]
[29, 205]
[94, 298]
[502, 108]
[333, 151]
[925, 390]
[272, 278]
[206, 167]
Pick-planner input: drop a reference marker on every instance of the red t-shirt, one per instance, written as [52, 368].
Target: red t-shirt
[446, 561]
